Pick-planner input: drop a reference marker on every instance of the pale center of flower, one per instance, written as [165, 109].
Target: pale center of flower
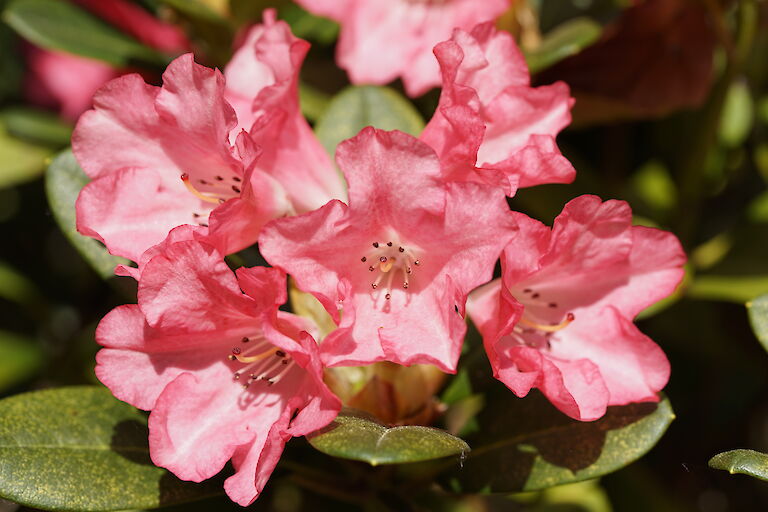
[390, 265]
[214, 191]
[536, 327]
[263, 362]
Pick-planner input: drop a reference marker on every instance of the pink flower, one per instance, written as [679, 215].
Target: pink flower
[490, 124]
[393, 268]
[62, 81]
[262, 86]
[384, 39]
[560, 318]
[160, 157]
[139, 23]
[225, 374]
[68, 82]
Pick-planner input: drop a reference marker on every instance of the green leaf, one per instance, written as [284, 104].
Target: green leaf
[79, 449]
[196, 10]
[730, 288]
[746, 462]
[758, 318]
[738, 115]
[565, 40]
[654, 185]
[62, 26]
[63, 182]
[354, 108]
[313, 102]
[36, 125]
[20, 359]
[527, 444]
[308, 26]
[20, 161]
[355, 435]
[15, 287]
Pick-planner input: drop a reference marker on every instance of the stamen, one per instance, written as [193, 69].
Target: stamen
[251, 359]
[197, 193]
[548, 328]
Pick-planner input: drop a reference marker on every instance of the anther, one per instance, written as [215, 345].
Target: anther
[570, 317]
[388, 296]
[405, 285]
[196, 215]
[553, 304]
[417, 263]
[235, 189]
[202, 182]
[401, 249]
[363, 259]
[535, 296]
[371, 269]
[237, 376]
[219, 178]
[375, 244]
[383, 259]
[280, 353]
[389, 244]
[236, 350]
[197, 193]
[374, 285]
[236, 179]
[245, 339]
[527, 290]
[231, 357]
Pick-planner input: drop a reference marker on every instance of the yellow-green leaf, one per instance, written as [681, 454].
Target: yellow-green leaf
[746, 462]
[355, 435]
[63, 181]
[80, 449]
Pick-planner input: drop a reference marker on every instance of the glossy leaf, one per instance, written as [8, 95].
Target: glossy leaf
[62, 26]
[355, 435]
[20, 359]
[565, 40]
[63, 181]
[80, 449]
[354, 108]
[527, 444]
[758, 317]
[36, 125]
[20, 161]
[746, 462]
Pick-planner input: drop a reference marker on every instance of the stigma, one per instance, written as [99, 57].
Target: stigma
[216, 191]
[263, 362]
[542, 320]
[391, 265]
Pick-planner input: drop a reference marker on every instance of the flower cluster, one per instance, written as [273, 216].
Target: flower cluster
[208, 164]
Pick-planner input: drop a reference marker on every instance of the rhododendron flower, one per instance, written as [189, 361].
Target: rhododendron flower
[490, 124]
[136, 21]
[560, 318]
[263, 88]
[161, 157]
[67, 82]
[393, 268]
[62, 81]
[225, 374]
[381, 40]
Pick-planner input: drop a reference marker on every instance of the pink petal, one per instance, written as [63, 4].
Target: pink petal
[133, 209]
[196, 426]
[189, 288]
[262, 84]
[633, 367]
[62, 81]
